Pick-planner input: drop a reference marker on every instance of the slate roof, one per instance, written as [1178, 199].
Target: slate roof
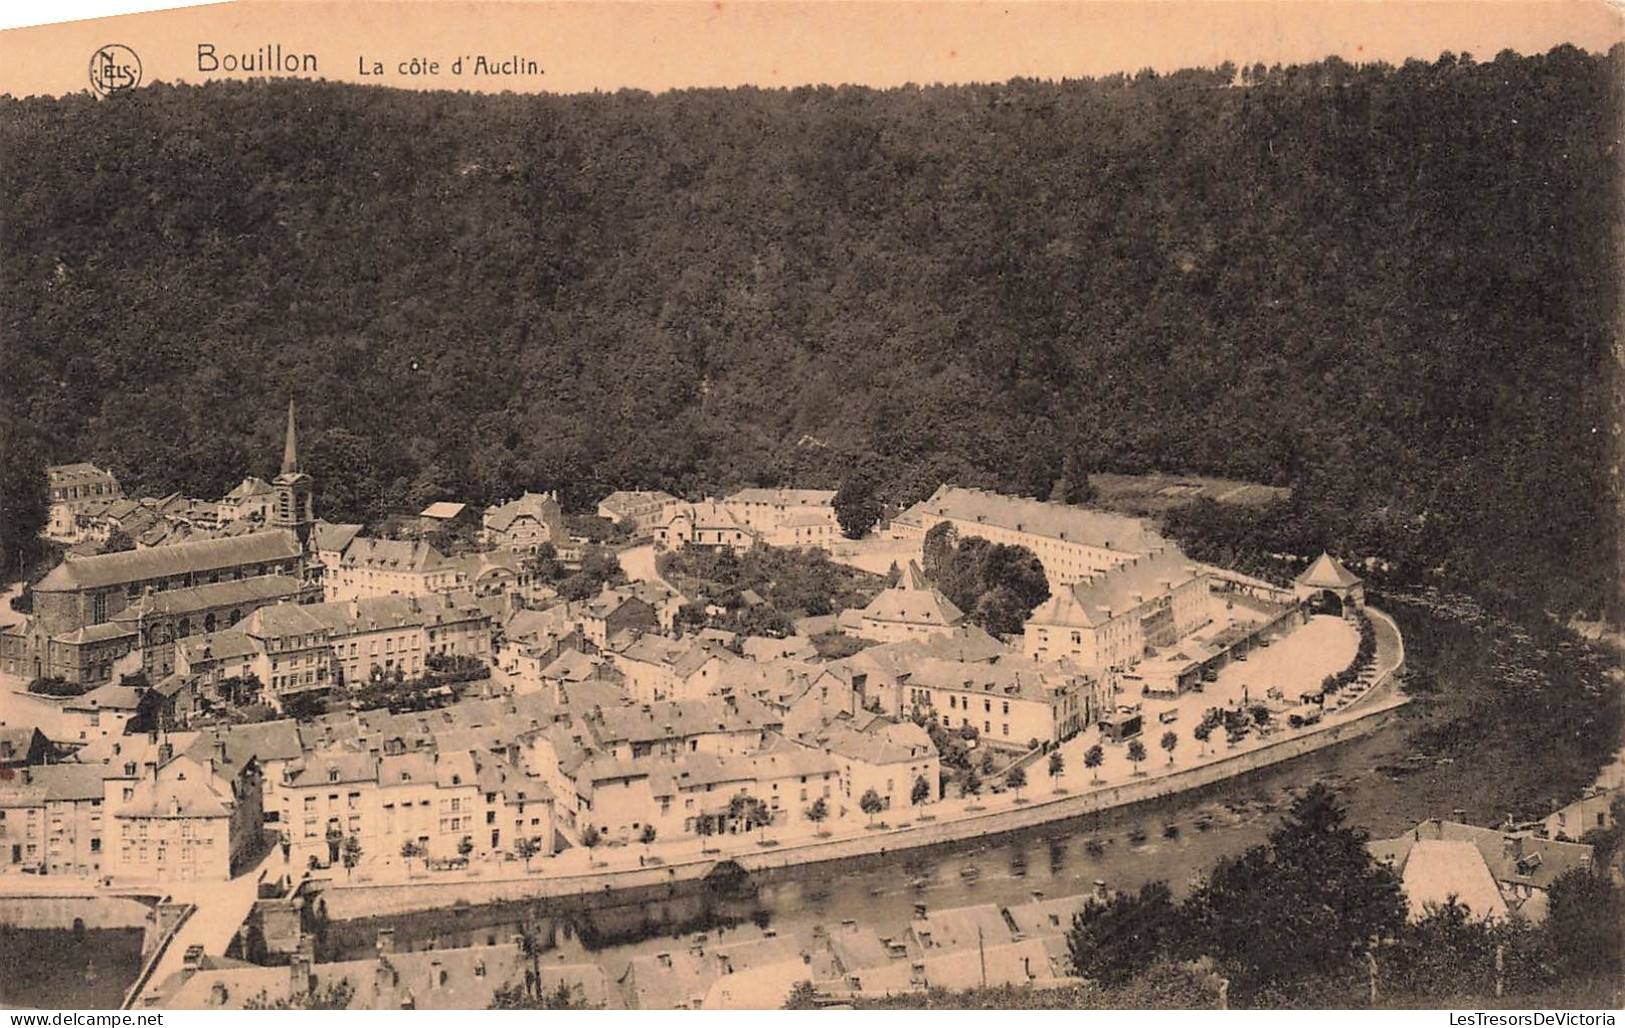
[391, 555]
[444, 510]
[333, 536]
[187, 792]
[104, 632]
[900, 743]
[914, 601]
[1093, 602]
[962, 928]
[436, 979]
[1327, 572]
[1050, 520]
[168, 561]
[1437, 870]
[540, 506]
[1030, 680]
[1516, 857]
[623, 502]
[227, 644]
[785, 497]
[256, 590]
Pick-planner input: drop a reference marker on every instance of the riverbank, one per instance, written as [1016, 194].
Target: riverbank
[347, 900]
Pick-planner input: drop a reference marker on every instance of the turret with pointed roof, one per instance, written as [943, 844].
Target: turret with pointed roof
[1329, 575]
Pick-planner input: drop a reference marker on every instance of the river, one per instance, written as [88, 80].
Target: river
[67, 969]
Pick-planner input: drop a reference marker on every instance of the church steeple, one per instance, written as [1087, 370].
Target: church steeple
[294, 507]
[290, 447]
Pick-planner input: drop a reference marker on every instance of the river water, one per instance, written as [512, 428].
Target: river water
[65, 969]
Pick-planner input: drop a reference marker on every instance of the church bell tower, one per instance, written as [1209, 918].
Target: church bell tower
[295, 491]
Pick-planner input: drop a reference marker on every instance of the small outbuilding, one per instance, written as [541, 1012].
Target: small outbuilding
[1328, 586]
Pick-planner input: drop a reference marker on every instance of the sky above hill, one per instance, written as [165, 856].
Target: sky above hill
[581, 47]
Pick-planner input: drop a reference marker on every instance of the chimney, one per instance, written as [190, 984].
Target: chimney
[386, 940]
[919, 911]
[1512, 847]
[220, 751]
[384, 976]
[1100, 889]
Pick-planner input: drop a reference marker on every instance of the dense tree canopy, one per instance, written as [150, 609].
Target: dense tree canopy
[1390, 288]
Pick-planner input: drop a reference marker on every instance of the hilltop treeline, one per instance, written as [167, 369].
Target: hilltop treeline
[1390, 288]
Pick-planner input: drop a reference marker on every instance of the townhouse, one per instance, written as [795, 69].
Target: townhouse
[1118, 616]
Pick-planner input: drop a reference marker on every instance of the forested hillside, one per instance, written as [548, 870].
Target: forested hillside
[1393, 289]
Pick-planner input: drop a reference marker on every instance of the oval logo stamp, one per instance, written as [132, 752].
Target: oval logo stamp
[114, 68]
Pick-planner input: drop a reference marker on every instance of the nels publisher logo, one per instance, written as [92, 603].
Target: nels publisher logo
[114, 68]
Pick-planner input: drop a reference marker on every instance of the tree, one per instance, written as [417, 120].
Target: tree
[411, 849]
[335, 996]
[972, 784]
[1136, 753]
[857, 508]
[1307, 902]
[118, 541]
[921, 791]
[527, 848]
[1057, 764]
[1112, 942]
[25, 497]
[1170, 741]
[1016, 779]
[748, 812]
[465, 846]
[871, 803]
[1586, 912]
[1202, 732]
[818, 812]
[590, 837]
[350, 853]
[531, 996]
[647, 837]
[802, 997]
[1093, 757]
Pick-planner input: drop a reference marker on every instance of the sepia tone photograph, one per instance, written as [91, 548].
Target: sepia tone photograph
[812, 506]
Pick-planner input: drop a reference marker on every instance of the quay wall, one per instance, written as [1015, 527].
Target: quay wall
[91, 912]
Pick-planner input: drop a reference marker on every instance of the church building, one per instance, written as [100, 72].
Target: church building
[90, 613]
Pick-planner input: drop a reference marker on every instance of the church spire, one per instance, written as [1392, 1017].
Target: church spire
[290, 448]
